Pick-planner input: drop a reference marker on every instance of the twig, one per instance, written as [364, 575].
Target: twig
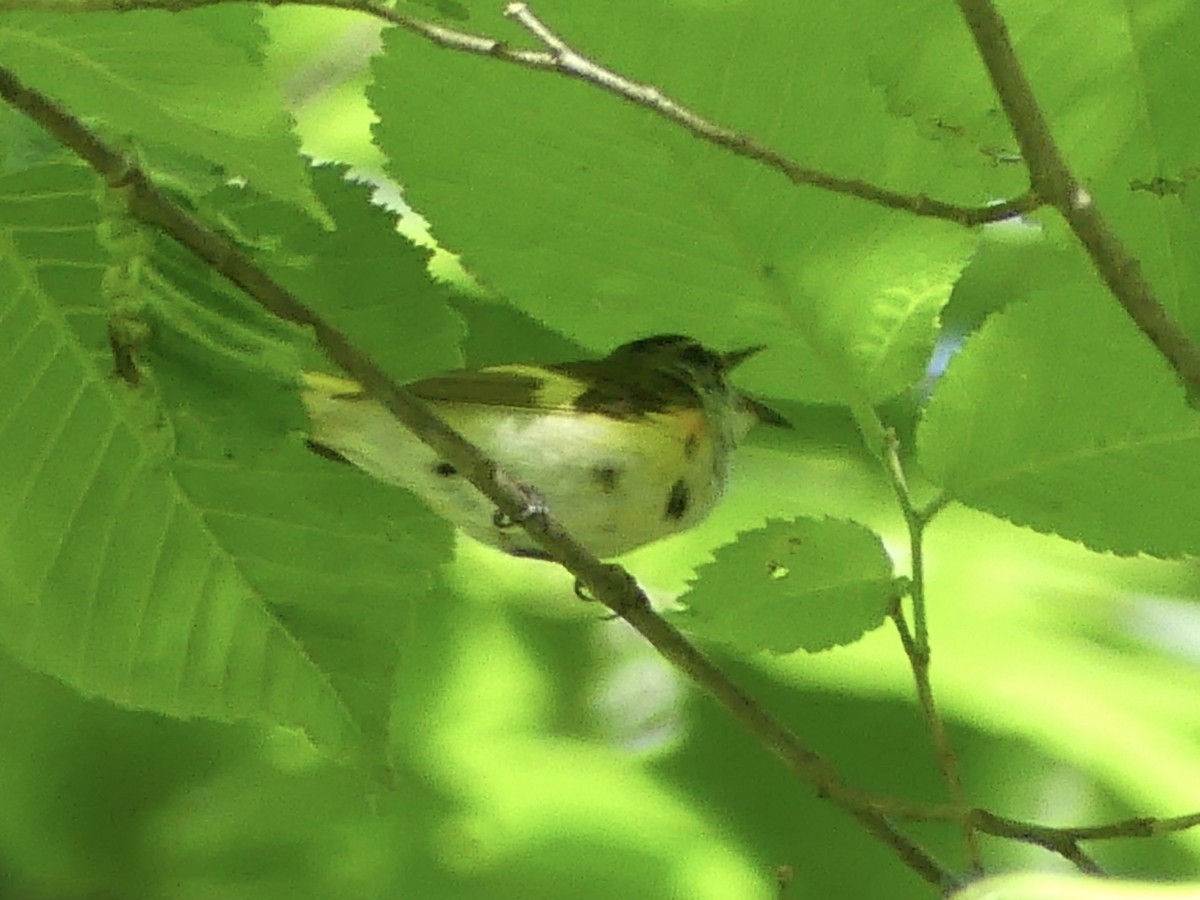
[927, 513]
[1051, 179]
[560, 58]
[916, 648]
[1057, 840]
[1063, 841]
[573, 64]
[1142, 827]
[608, 583]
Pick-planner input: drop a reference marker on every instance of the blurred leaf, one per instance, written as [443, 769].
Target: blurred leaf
[800, 584]
[1046, 886]
[534, 807]
[82, 779]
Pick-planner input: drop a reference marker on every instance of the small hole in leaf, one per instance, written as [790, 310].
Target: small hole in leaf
[777, 570]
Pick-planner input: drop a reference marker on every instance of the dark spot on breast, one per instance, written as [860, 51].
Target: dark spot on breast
[678, 500]
[445, 469]
[606, 477]
[690, 446]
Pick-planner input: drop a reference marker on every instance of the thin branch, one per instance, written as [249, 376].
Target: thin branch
[560, 58]
[1142, 827]
[1051, 179]
[784, 876]
[573, 64]
[1063, 841]
[931, 510]
[1057, 840]
[608, 583]
[1079, 858]
[916, 648]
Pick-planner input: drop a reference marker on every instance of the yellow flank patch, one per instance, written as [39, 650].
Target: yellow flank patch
[330, 385]
[557, 391]
[689, 425]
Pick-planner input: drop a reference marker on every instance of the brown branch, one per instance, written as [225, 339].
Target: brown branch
[610, 584]
[1051, 179]
[560, 58]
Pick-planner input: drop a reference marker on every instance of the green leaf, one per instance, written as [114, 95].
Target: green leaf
[174, 546]
[1060, 886]
[338, 557]
[1060, 416]
[804, 583]
[1118, 108]
[111, 580]
[199, 91]
[607, 222]
[1130, 61]
[362, 276]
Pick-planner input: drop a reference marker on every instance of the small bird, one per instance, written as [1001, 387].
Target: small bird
[623, 450]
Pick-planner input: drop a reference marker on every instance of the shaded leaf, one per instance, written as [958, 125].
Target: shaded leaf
[1118, 107]
[373, 284]
[607, 222]
[112, 581]
[175, 546]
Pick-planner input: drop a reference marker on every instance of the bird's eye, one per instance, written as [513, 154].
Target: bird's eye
[696, 354]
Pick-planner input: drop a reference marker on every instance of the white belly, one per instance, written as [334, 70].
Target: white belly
[614, 485]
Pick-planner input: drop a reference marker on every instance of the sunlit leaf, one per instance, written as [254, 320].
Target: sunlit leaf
[1060, 416]
[200, 92]
[807, 583]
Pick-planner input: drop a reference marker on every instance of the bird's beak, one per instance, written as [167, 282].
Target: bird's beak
[764, 413]
[735, 358]
[760, 411]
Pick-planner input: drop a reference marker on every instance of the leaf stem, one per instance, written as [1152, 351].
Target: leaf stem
[916, 648]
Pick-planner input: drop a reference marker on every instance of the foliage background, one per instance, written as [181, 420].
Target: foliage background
[536, 751]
